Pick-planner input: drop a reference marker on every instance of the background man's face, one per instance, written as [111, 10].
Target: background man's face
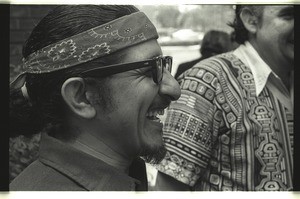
[131, 128]
[275, 35]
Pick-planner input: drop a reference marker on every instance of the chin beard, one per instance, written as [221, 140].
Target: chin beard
[154, 156]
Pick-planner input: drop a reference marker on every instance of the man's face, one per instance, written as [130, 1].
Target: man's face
[131, 125]
[275, 36]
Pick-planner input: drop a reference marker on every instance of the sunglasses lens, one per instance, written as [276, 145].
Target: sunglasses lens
[159, 69]
[168, 64]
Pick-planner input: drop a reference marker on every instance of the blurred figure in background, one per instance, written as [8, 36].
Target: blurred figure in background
[214, 42]
[234, 43]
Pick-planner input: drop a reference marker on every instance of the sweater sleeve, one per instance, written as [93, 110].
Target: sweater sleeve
[192, 125]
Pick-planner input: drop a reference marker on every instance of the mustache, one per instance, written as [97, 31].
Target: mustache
[161, 103]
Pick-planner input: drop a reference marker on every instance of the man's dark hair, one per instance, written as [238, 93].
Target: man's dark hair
[47, 106]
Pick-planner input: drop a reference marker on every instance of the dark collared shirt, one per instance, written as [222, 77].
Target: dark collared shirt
[61, 167]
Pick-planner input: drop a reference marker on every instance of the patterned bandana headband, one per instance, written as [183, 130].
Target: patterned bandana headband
[97, 42]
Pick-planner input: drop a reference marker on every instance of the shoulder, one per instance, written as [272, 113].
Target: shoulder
[226, 64]
[40, 177]
[190, 62]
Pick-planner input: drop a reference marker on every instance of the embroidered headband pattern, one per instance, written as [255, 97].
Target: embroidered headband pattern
[97, 42]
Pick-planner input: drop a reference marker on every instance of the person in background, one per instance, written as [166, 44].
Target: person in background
[95, 81]
[234, 43]
[232, 127]
[214, 42]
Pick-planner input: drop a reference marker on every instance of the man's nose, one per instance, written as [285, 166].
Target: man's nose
[169, 87]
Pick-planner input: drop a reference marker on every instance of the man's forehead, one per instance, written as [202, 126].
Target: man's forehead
[142, 51]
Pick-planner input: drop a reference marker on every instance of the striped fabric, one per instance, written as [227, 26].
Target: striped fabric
[221, 136]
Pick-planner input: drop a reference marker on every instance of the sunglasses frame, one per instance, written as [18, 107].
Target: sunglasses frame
[158, 64]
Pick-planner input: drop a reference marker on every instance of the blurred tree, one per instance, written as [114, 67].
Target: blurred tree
[207, 17]
[22, 151]
[167, 16]
[198, 17]
[151, 11]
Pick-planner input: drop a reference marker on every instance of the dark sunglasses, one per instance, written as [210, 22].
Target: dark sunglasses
[158, 64]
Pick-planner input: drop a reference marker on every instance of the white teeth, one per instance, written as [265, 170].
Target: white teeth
[162, 112]
[155, 113]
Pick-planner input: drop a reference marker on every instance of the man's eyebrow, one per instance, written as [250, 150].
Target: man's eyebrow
[287, 9]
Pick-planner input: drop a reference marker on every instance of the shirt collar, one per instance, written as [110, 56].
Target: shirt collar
[258, 67]
[88, 171]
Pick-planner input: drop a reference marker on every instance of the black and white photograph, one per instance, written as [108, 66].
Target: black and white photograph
[159, 98]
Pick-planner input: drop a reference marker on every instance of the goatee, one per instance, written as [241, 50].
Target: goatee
[154, 156]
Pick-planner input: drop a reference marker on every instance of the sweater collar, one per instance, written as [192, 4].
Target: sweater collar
[260, 70]
[88, 171]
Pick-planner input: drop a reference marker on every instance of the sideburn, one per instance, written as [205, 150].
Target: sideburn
[102, 94]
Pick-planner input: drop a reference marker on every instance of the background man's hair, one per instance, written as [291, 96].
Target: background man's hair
[240, 32]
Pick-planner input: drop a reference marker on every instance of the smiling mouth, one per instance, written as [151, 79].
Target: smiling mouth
[154, 115]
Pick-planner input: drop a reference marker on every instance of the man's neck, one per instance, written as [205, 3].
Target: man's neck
[280, 67]
[98, 149]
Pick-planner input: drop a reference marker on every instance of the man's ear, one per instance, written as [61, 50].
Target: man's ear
[249, 20]
[73, 92]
